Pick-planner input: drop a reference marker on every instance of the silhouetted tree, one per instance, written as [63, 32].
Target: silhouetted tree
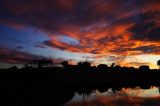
[65, 64]
[102, 66]
[38, 63]
[158, 63]
[85, 65]
[31, 64]
[112, 65]
[117, 66]
[79, 63]
[13, 68]
[44, 63]
[144, 67]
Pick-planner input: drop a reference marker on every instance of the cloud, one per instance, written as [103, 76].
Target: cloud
[40, 45]
[51, 15]
[100, 27]
[64, 46]
[136, 64]
[148, 49]
[146, 27]
[16, 57]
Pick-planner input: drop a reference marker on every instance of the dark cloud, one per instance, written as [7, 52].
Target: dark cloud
[148, 49]
[120, 50]
[47, 15]
[16, 57]
[19, 47]
[138, 50]
[115, 58]
[72, 48]
[146, 27]
[53, 14]
[40, 45]
[50, 44]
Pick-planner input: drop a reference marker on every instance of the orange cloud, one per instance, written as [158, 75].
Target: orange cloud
[113, 39]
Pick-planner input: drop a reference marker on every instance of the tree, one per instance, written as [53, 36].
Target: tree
[158, 63]
[102, 66]
[31, 64]
[65, 64]
[39, 63]
[84, 65]
[79, 64]
[14, 68]
[44, 63]
[112, 65]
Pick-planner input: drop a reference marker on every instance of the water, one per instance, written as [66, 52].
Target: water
[124, 97]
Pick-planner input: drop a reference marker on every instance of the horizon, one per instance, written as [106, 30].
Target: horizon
[53, 65]
[125, 32]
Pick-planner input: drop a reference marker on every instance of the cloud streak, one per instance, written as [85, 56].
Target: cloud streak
[16, 56]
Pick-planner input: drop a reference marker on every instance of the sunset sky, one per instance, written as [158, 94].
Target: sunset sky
[126, 32]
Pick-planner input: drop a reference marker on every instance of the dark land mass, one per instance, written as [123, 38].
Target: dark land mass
[54, 86]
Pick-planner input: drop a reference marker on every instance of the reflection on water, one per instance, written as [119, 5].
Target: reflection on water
[126, 97]
[152, 92]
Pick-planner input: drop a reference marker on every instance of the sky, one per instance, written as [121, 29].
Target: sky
[125, 32]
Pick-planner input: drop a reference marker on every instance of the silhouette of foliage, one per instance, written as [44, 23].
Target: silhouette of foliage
[112, 65]
[38, 63]
[65, 64]
[39, 84]
[158, 63]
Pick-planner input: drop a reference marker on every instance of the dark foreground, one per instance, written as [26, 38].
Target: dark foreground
[56, 86]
